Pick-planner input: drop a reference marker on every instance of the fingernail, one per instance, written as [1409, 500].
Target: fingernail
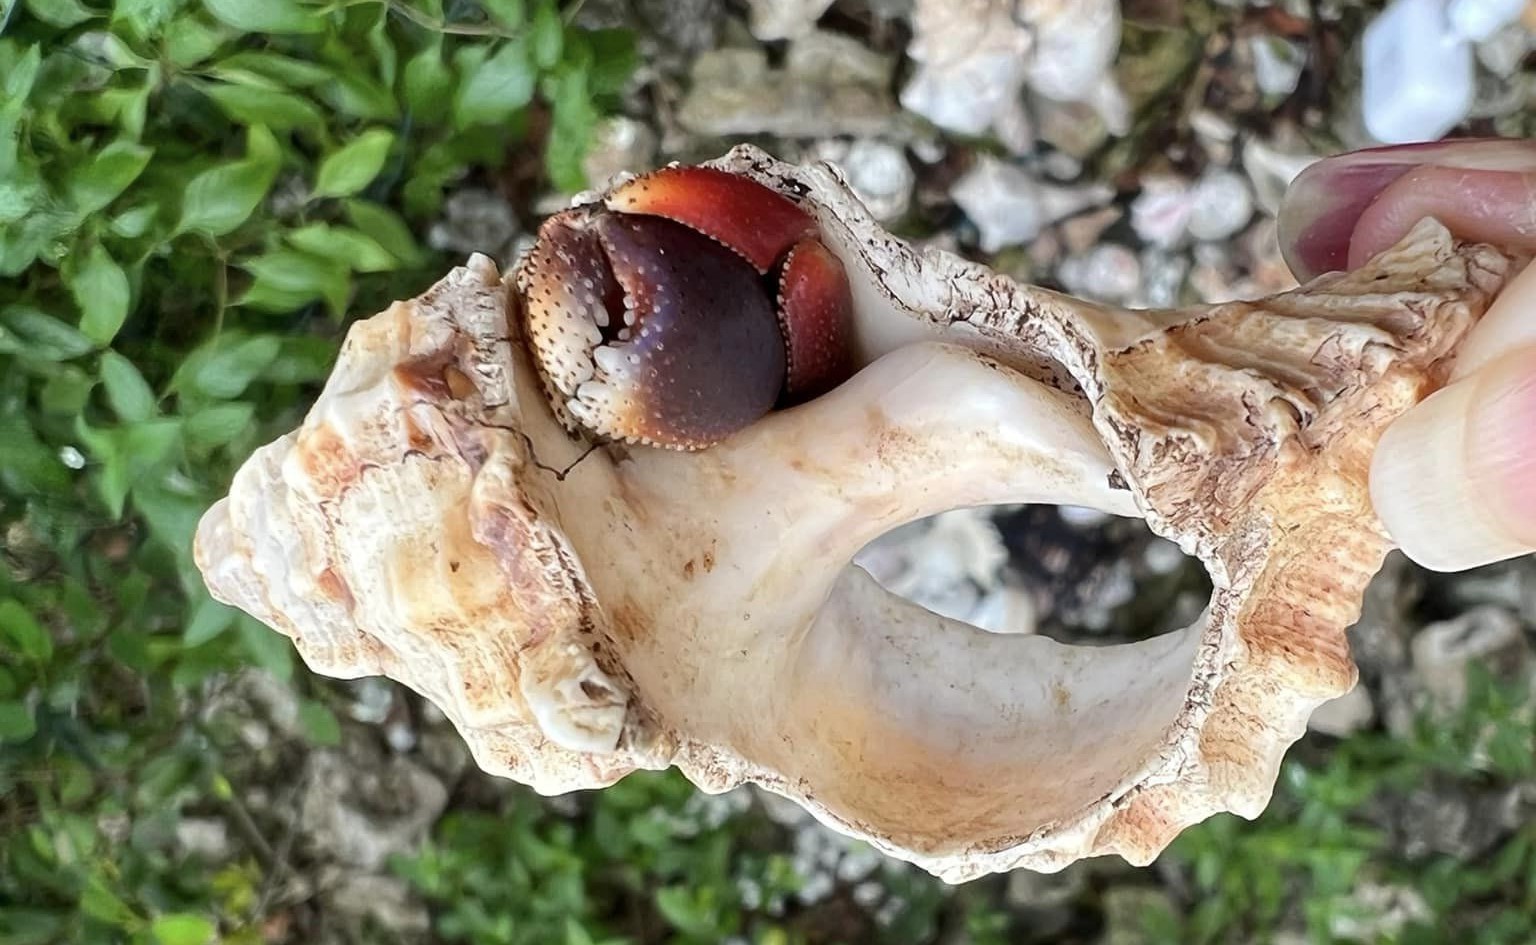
[1454, 479]
[1325, 202]
[1497, 207]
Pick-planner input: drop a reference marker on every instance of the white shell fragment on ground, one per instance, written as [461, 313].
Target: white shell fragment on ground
[1010, 206]
[576, 621]
[975, 57]
[785, 19]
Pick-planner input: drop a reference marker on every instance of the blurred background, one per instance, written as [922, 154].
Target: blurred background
[196, 196]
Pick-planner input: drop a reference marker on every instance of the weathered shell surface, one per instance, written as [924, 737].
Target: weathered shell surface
[642, 609]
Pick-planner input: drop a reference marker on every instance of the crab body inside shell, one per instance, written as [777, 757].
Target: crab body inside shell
[683, 306]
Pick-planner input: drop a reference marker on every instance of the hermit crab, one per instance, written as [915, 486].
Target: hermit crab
[471, 508]
[682, 307]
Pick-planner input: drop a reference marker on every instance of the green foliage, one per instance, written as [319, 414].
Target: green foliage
[644, 861]
[1317, 842]
[194, 194]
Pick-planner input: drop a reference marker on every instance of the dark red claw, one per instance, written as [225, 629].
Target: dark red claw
[816, 311]
[707, 341]
[759, 223]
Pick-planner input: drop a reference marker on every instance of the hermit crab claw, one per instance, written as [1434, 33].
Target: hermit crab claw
[647, 607]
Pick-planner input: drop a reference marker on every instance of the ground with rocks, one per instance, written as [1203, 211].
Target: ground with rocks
[1157, 186]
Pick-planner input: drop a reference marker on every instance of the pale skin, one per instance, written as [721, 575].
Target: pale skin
[1454, 479]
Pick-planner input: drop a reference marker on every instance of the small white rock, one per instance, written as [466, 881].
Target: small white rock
[877, 171]
[1488, 635]
[1079, 516]
[971, 56]
[1163, 275]
[1277, 64]
[203, 838]
[1222, 204]
[1163, 556]
[1075, 47]
[785, 19]
[1344, 716]
[1010, 207]
[1504, 51]
[619, 145]
[1160, 213]
[1108, 272]
[1271, 171]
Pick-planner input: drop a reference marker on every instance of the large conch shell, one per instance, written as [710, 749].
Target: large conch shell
[639, 608]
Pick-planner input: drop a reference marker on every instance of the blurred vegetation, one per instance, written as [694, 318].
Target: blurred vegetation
[195, 195]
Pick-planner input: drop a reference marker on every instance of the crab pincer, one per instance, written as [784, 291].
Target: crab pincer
[682, 307]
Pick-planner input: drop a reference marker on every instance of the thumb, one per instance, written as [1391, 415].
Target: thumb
[1454, 479]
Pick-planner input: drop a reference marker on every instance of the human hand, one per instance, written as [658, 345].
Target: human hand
[1454, 479]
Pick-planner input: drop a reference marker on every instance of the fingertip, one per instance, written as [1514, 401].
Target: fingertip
[1508, 325]
[1454, 479]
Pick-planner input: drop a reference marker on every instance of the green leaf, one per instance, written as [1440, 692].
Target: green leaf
[16, 722]
[220, 199]
[43, 234]
[26, 463]
[21, 192]
[209, 619]
[100, 288]
[320, 723]
[496, 88]
[18, 82]
[345, 246]
[182, 928]
[135, 221]
[360, 96]
[428, 83]
[145, 16]
[34, 333]
[575, 934]
[108, 175]
[548, 34]
[509, 13]
[270, 649]
[387, 229]
[289, 278]
[252, 105]
[23, 631]
[278, 69]
[267, 16]
[218, 424]
[228, 372]
[130, 395]
[66, 392]
[304, 360]
[681, 907]
[381, 46]
[570, 128]
[172, 517]
[189, 40]
[108, 49]
[353, 167]
[612, 58]
[126, 455]
[33, 926]
[60, 13]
